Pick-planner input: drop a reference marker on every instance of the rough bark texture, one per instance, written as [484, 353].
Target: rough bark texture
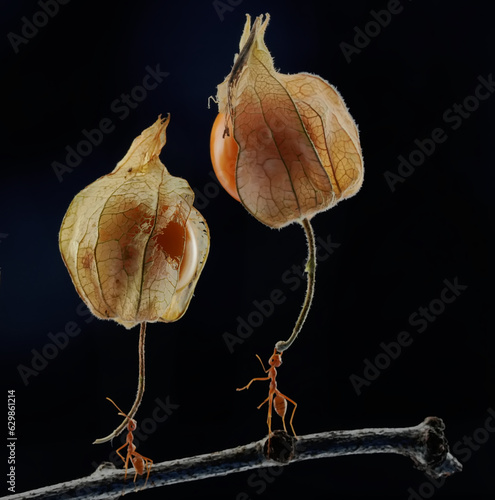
[425, 444]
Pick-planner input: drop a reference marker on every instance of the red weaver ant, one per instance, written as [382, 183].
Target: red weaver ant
[275, 397]
[138, 461]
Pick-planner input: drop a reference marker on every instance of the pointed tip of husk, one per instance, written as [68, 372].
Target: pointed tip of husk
[254, 32]
[252, 39]
[147, 145]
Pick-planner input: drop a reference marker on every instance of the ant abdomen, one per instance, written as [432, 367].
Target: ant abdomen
[138, 464]
[280, 405]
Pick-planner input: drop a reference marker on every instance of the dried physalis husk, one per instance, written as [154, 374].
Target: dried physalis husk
[132, 241]
[284, 145]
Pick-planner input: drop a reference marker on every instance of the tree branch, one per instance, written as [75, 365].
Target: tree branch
[425, 444]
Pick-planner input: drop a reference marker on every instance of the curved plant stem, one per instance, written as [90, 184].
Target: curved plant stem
[282, 345]
[140, 390]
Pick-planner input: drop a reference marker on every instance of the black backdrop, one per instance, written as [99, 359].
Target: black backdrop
[391, 249]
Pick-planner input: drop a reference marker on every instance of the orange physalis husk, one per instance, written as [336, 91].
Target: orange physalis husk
[298, 146]
[132, 241]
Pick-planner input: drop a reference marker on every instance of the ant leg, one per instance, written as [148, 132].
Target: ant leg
[263, 402]
[118, 450]
[253, 380]
[264, 369]
[269, 418]
[125, 460]
[126, 464]
[292, 418]
[149, 463]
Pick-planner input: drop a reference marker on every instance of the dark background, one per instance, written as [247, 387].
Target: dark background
[396, 248]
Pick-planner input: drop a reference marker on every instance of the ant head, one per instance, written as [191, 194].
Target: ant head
[132, 424]
[276, 359]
